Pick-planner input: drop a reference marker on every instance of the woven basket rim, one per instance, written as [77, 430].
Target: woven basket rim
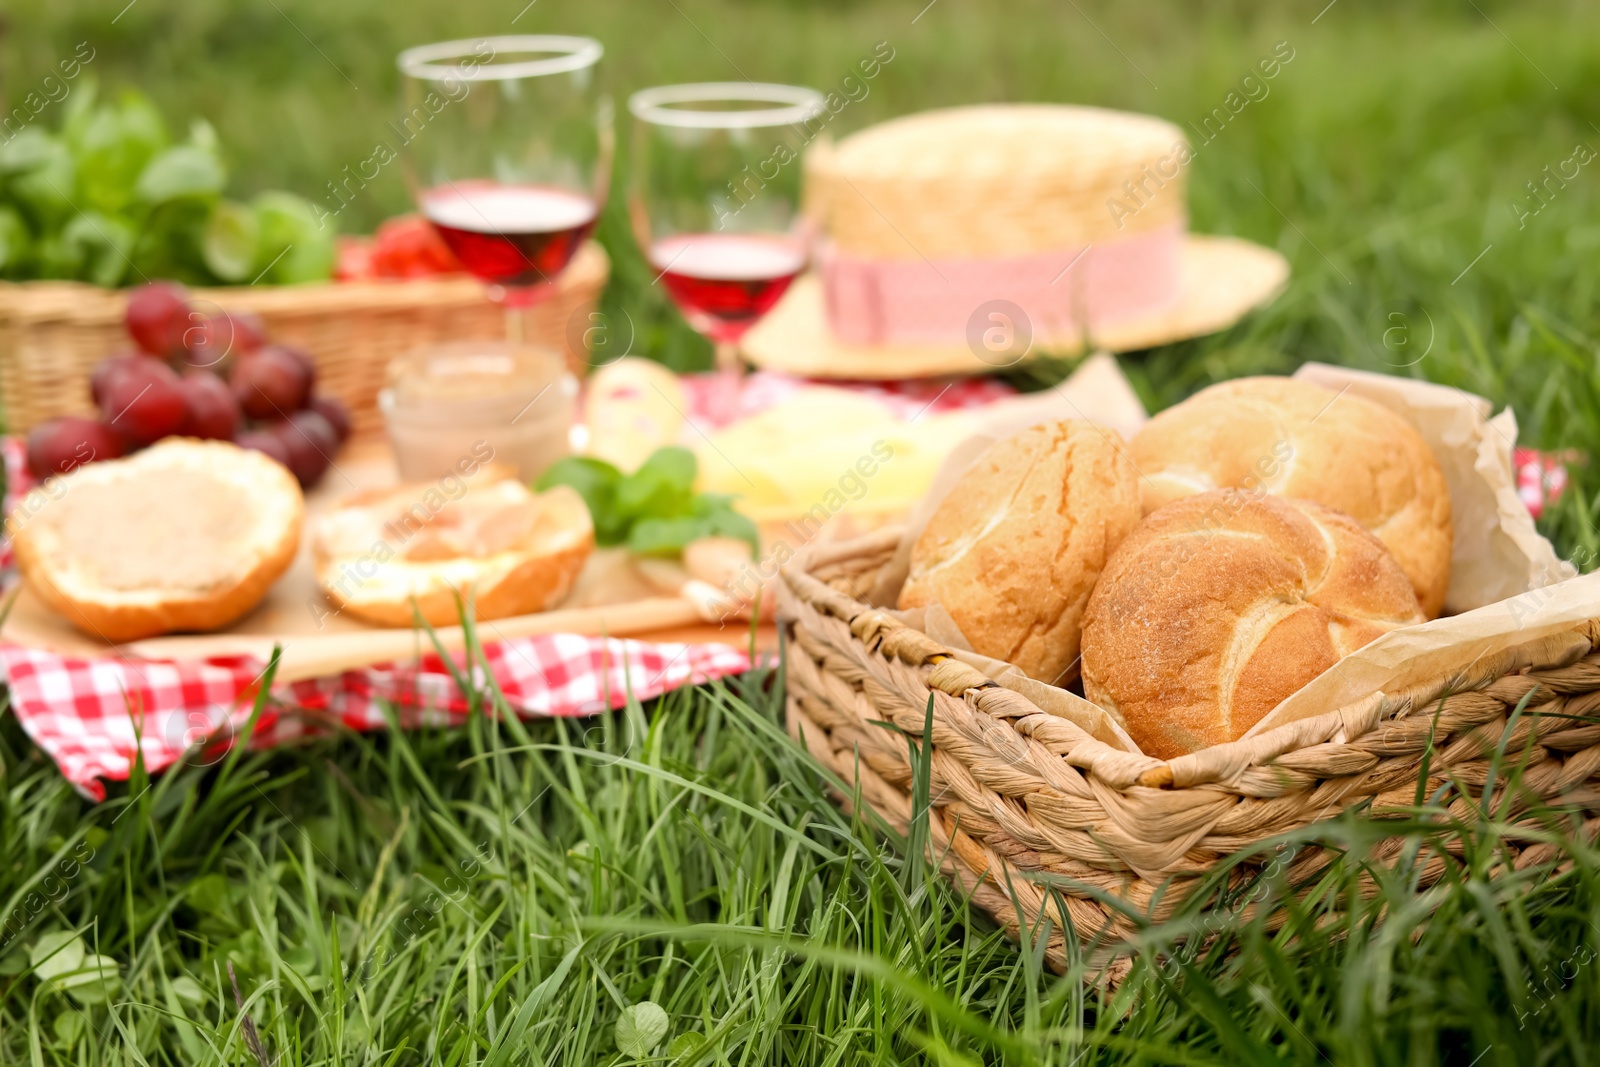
[83, 303]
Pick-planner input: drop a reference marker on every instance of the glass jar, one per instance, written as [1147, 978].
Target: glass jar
[478, 402]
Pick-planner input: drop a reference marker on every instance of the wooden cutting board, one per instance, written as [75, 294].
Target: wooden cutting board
[613, 598]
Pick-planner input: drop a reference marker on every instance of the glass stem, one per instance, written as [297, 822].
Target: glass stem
[514, 325]
[727, 357]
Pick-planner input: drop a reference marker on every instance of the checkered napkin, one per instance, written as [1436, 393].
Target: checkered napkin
[92, 716]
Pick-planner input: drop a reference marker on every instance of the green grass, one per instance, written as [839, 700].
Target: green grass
[502, 894]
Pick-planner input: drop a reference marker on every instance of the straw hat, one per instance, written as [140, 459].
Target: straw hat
[966, 240]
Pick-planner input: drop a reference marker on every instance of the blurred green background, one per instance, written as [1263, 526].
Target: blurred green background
[1386, 157]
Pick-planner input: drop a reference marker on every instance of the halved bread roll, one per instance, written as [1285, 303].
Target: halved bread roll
[186, 535]
[1219, 606]
[488, 540]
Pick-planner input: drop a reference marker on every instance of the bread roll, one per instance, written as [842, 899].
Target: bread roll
[487, 538]
[1296, 439]
[1221, 605]
[186, 535]
[1014, 549]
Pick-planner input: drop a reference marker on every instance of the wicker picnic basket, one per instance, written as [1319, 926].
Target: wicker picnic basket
[53, 333]
[1027, 809]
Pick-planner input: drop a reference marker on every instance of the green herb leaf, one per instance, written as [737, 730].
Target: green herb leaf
[654, 510]
[14, 239]
[294, 247]
[230, 241]
[726, 522]
[31, 147]
[179, 172]
[596, 481]
[113, 146]
[665, 537]
[662, 486]
[101, 245]
[640, 1028]
[46, 190]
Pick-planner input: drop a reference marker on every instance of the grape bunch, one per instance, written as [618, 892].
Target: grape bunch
[194, 375]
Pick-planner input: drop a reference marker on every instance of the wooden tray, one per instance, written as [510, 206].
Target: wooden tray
[612, 599]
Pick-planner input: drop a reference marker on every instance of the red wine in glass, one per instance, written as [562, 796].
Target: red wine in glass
[514, 236]
[725, 282]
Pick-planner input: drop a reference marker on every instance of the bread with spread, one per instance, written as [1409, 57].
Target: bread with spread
[389, 556]
[186, 535]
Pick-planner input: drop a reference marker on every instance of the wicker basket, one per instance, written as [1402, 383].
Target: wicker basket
[1020, 797]
[53, 333]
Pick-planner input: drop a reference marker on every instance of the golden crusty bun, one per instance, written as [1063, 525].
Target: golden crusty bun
[1296, 439]
[488, 538]
[186, 535]
[1219, 606]
[1015, 547]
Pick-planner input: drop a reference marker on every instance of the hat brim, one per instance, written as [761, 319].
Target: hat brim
[1224, 278]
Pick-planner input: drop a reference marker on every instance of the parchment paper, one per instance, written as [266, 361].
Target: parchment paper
[1506, 577]
[1497, 553]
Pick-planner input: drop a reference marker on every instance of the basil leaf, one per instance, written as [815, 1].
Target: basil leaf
[47, 188]
[230, 241]
[100, 244]
[180, 172]
[14, 239]
[662, 486]
[30, 148]
[665, 537]
[294, 246]
[113, 146]
[725, 522]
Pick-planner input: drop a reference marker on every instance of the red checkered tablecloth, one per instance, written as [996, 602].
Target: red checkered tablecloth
[93, 716]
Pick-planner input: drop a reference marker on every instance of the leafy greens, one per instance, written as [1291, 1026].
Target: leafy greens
[655, 510]
[110, 199]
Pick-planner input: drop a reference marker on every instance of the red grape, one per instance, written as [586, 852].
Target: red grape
[157, 316]
[336, 413]
[218, 338]
[109, 368]
[311, 443]
[244, 331]
[266, 442]
[59, 445]
[144, 403]
[307, 365]
[271, 383]
[205, 345]
[213, 409]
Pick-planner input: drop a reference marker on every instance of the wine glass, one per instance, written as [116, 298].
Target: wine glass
[715, 198]
[507, 149]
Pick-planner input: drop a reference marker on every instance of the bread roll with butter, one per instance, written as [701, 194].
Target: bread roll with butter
[1293, 438]
[186, 535]
[1220, 605]
[1014, 549]
[487, 539]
